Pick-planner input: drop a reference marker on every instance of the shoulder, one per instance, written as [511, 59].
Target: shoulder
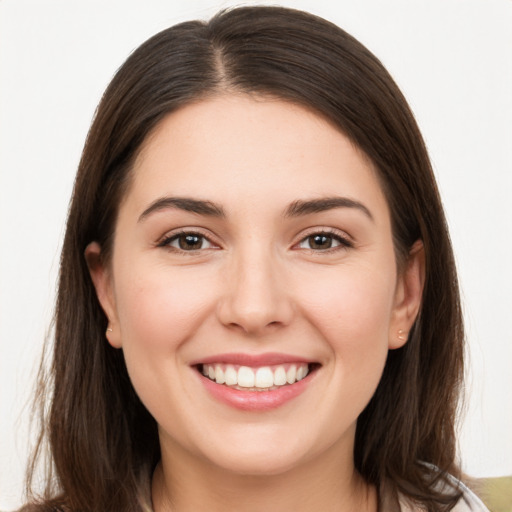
[468, 502]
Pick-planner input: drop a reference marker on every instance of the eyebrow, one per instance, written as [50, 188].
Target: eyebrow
[187, 204]
[300, 207]
[296, 209]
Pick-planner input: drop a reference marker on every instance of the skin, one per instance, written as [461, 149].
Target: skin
[255, 286]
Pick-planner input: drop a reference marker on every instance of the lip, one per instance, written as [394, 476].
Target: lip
[252, 360]
[255, 401]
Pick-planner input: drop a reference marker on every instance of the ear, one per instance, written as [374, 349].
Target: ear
[408, 295]
[102, 280]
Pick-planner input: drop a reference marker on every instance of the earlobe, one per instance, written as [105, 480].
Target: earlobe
[408, 296]
[102, 281]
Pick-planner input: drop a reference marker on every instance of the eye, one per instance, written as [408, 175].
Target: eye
[323, 241]
[187, 241]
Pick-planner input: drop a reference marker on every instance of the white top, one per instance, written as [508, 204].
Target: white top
[469, 502]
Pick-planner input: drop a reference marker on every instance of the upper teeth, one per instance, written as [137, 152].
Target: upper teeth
[262, 378]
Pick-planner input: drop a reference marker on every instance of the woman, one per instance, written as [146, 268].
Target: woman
[258, 305]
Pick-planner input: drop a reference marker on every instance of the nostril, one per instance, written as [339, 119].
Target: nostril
[257, 305]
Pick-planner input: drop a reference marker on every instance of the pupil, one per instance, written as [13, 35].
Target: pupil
[320, 242]
[190, 242]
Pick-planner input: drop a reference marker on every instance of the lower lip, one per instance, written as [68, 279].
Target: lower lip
[255, 400]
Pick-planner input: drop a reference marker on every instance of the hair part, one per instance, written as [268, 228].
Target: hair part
[104, 443]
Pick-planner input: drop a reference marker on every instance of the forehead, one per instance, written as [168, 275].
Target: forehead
[235, 147]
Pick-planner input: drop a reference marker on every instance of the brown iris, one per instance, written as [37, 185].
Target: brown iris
[190, 242]
[320, 241]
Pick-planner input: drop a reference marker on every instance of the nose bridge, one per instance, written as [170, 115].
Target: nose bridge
[255, 298]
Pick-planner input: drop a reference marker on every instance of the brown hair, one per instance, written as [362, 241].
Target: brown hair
[103, 442]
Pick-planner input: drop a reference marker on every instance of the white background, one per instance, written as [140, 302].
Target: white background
[453, 60]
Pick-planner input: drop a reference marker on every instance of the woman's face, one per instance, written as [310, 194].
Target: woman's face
[254, 245]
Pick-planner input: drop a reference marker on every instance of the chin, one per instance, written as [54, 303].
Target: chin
[262, 453]
[258, 464]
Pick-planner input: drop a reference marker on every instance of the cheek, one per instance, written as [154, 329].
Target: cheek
[353, 300]
[159, 310]
[352, 309]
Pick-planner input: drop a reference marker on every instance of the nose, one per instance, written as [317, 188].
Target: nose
[256, 297]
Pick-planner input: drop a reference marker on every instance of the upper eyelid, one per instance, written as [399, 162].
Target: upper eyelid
[329, 230]
[173, 234]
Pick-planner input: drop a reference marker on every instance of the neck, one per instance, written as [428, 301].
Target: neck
[185, 483]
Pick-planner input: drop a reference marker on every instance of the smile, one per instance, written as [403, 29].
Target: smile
[255, 383]
[264, 378]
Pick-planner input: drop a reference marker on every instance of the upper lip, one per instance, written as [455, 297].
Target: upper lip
[252, 360]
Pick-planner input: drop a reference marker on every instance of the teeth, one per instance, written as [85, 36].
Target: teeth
[231, 376]
[265, 377]
[279, 376]
[219, 375]
[291, 374]
[245, 377]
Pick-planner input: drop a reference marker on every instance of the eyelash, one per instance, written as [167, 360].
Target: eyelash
[343, 241]
[167, 240]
